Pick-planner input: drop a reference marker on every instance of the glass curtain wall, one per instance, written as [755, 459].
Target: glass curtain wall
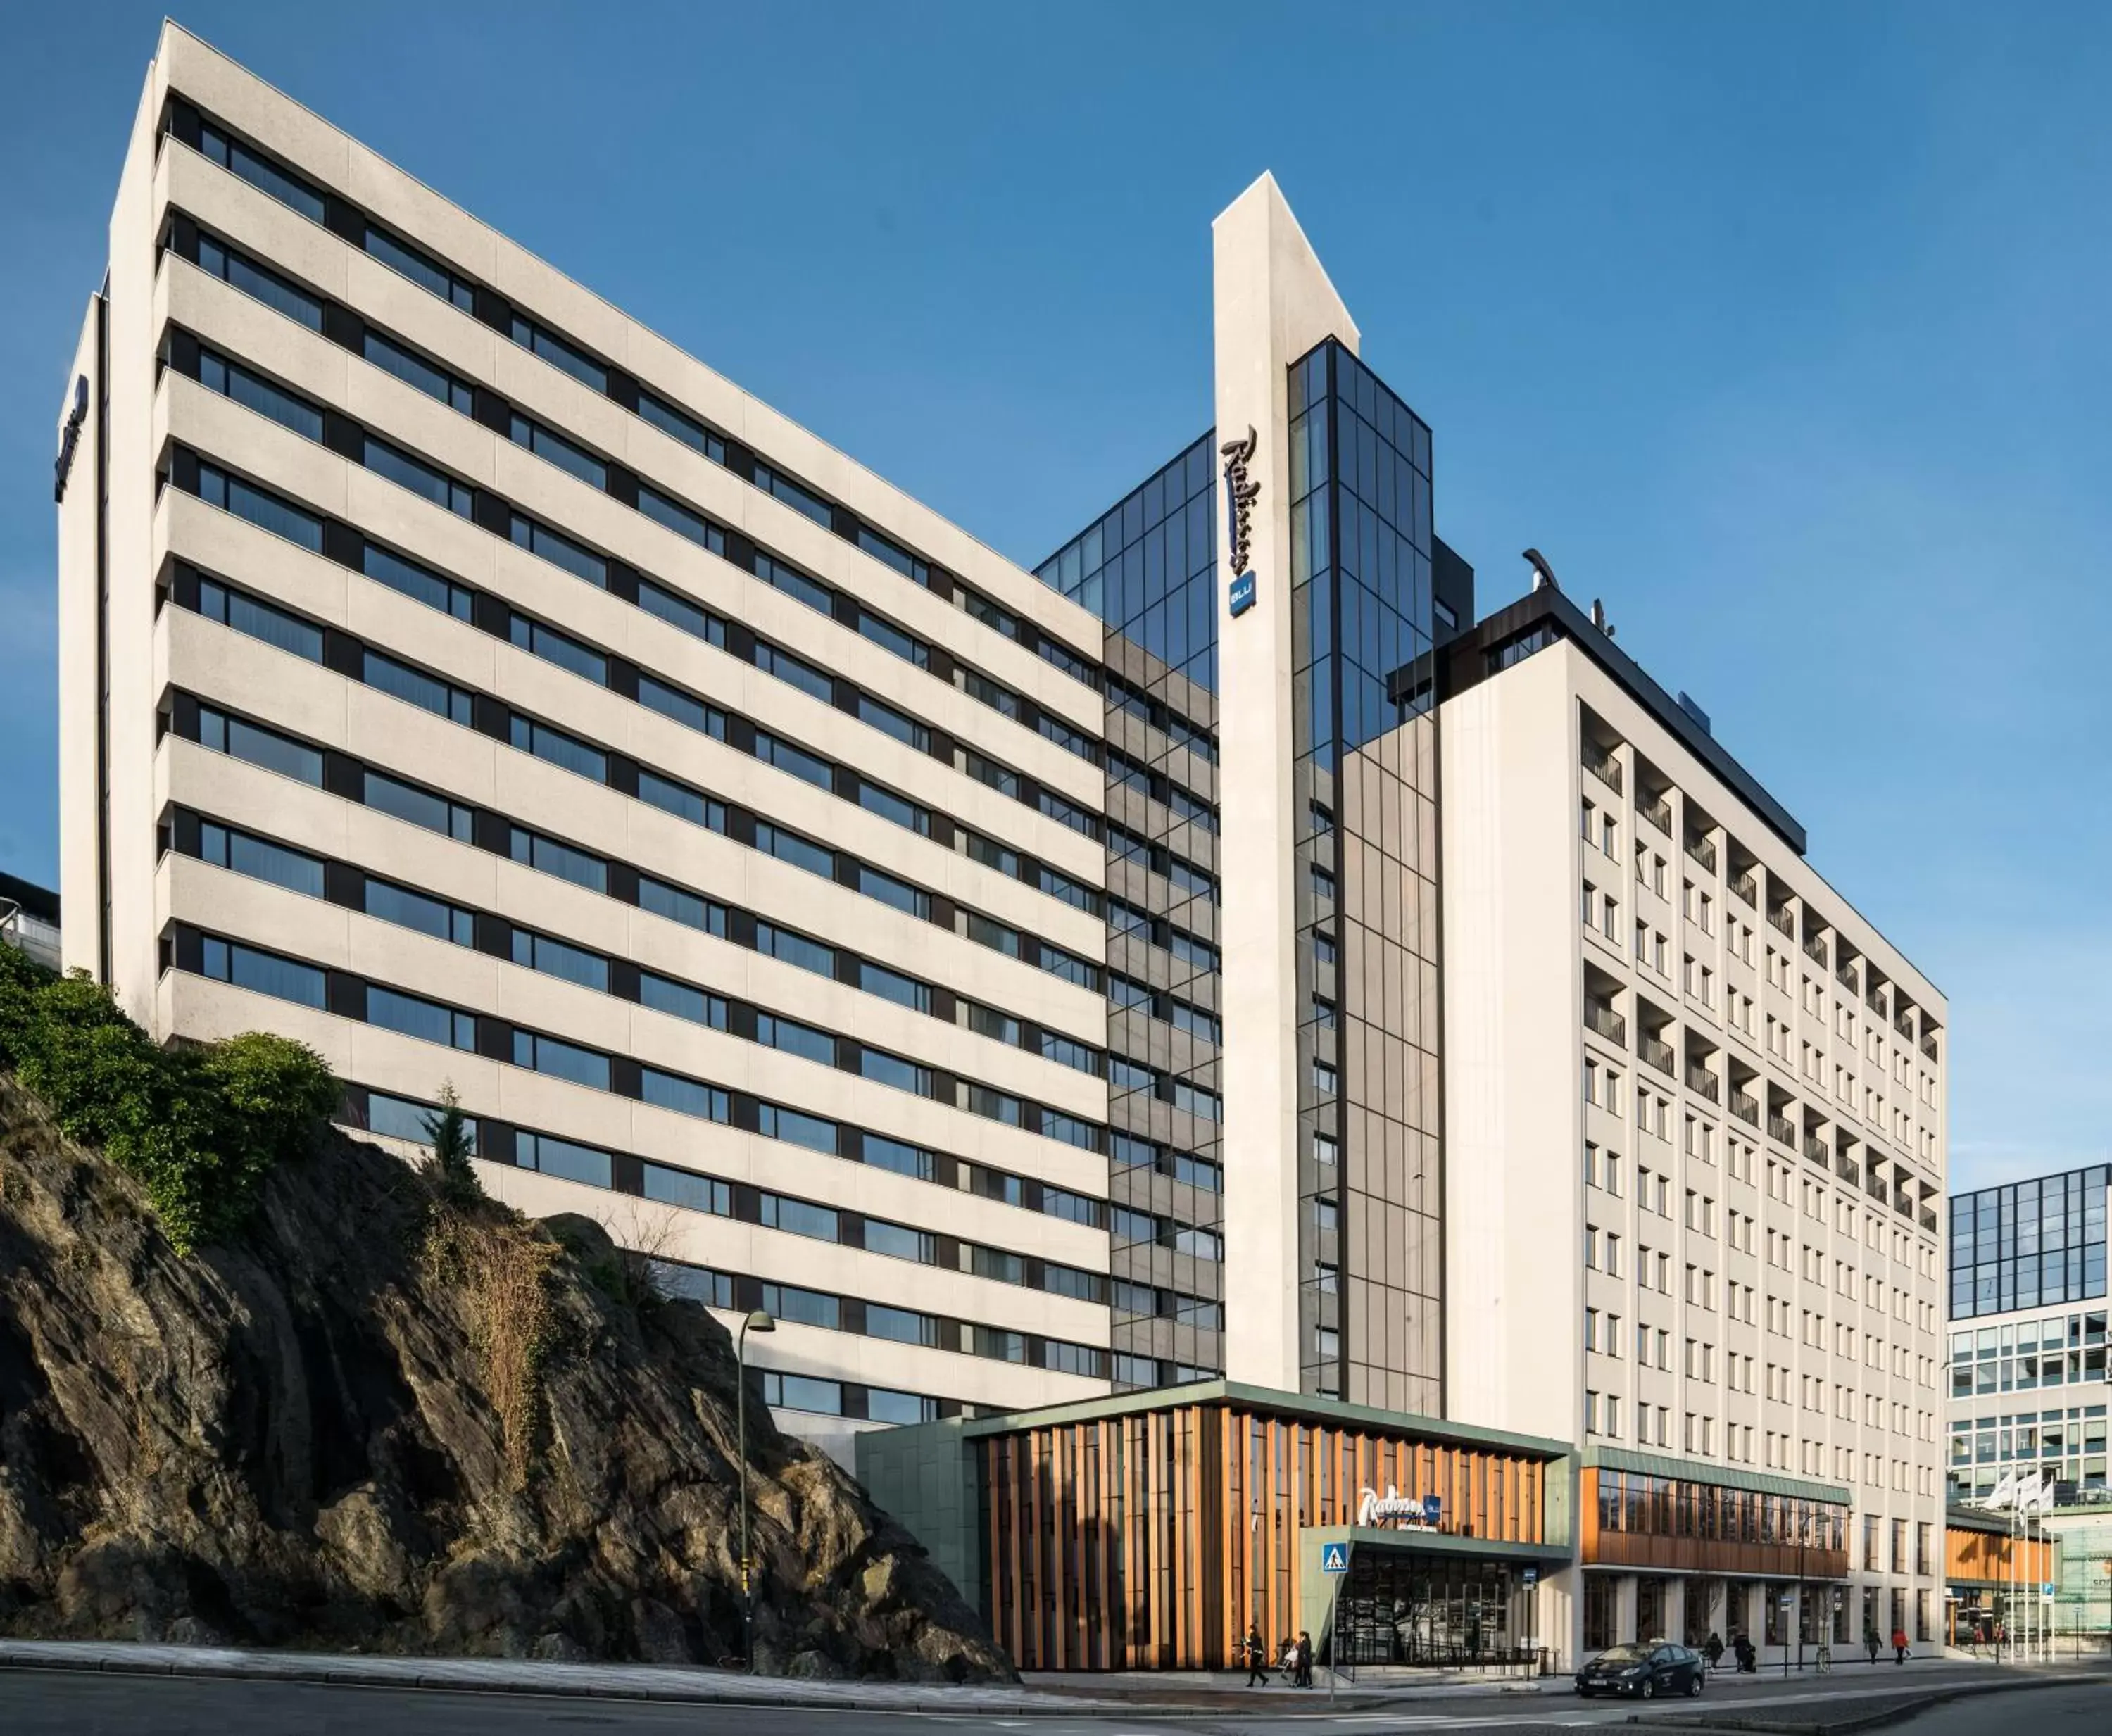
[1147, 568]
[1365, 780]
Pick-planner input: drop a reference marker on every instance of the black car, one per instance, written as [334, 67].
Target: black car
[1645, 1671]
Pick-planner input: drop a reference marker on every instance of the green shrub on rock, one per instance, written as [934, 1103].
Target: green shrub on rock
[199, 1128]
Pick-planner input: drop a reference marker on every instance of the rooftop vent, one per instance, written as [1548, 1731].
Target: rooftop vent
[1696, 712]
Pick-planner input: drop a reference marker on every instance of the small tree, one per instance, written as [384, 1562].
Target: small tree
[450, 1167]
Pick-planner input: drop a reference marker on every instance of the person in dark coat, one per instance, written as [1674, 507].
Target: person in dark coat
[1714, 1649]
[1305, 1658]
[1257, 1657]
[1870, 1643]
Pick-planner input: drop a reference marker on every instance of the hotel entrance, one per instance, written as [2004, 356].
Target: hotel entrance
[1399, 1606]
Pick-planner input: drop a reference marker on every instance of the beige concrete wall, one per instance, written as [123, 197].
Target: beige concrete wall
[1273, 303]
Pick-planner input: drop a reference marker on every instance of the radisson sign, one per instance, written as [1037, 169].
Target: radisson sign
[1240, 493]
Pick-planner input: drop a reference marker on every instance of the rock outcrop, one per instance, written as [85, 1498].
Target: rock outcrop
[293, 1440]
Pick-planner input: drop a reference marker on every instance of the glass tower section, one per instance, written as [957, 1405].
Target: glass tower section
[1365, 778]
[1147, 568]
[2028, 1244]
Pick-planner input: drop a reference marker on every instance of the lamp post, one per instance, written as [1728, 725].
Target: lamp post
[757, 1321]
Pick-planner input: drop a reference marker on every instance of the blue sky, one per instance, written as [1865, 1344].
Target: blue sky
[1782, 328]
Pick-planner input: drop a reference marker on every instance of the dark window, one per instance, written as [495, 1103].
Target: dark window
[267, 511]
[267, 176]
[564, 1159]
[426, 273]
[414, 686]
[682, 425]
[253, 279]
[413, 1015]
[264, 973]
[685, 1187]
[410, 909]
[260, 859]
[557, 450]
[400, 467]
[795, 1127]
[679, 519]
[420, 807]
[415, 581]
[547, 856]
[261, 747]
[417, 372]
[684, 1096]
[260, 620]
[560, 355]
[559, 748]
[560, 649]
[560, 551]
[554, 957]
[562, 1060]
[664, 995]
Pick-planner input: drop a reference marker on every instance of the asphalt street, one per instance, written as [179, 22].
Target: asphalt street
[37, 1703]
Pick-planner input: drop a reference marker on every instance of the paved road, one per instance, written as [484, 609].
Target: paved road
[59, 1704]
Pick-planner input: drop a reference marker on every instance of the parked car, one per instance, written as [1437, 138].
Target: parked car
[1645, 1671]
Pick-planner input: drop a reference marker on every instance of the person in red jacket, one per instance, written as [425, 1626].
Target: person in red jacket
[1899, 1645]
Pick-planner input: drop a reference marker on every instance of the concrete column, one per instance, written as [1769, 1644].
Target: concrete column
[1675, 1610]
[1273, 303]
[1624, 1608]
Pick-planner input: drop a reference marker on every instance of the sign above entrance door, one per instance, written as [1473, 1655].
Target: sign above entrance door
[1404, 1512]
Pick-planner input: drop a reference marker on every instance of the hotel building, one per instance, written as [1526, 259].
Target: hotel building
[458, 676]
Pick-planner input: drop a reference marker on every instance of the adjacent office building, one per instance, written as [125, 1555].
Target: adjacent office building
[1387, 1076]
[2028, 1373]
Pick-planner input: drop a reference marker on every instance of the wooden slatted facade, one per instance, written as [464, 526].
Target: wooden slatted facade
[1147, 1540]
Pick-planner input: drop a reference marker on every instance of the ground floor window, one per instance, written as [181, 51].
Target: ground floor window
[1842, 1615]
[1898, 1614]
[1921, 1617]
[1811, 1608]
[1650, 1611]
[1701, 1600]
[1599, 1605]
[1870, 1615]
[1397, 1607]
[1778, 1613]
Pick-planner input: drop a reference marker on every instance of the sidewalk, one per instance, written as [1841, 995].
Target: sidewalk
[678, 1684]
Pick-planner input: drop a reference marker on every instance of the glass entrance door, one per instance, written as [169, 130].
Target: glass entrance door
[1397, 1607]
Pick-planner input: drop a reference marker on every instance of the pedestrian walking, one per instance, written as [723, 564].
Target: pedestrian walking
[1305, 1658]
[1899, 1644]
[1713, 1650]
[1870, 1641]
[1257, 1657]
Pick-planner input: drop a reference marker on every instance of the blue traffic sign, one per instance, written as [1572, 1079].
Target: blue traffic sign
[1432, 1510]
[1334, 1558]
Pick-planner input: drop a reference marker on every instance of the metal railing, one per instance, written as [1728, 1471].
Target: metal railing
[1873, 998]
[1874, 1184]
[1746, 1107]
[1700, 1079]
[1782, 920]
[1657, 812]
[1929, 1044]
[1903, 1022]
[1606, 1022]
[1778, 1128]
[1746, 887]
[1602, 766]
[1703, 851]
[1659, 1055]
[1815, 947]
[1844, 973]
[1819, 1151]
[1927, 1219]
[1844, 1166]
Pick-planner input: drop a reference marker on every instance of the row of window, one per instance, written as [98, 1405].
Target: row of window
[233, 380]
[259, 619]
[220, 146]
[241, 965]
[221, 489]
[224, 732]
[267, 860]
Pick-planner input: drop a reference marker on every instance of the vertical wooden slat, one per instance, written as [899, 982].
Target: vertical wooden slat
[1014, 1496]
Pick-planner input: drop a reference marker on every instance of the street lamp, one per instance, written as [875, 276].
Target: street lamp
[757, 1321]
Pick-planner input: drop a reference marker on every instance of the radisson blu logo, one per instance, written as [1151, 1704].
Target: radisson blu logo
[1240, 493]
[70, 437]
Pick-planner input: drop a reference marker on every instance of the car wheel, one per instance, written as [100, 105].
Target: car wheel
[1648, 1690]
[1693, 1686]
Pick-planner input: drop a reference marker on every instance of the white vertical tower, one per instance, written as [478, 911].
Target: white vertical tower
[1273, 303]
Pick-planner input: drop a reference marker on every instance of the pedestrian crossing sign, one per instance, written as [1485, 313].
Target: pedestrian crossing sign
[1334, 1558]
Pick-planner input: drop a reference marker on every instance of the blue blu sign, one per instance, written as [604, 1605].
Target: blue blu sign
[1243, 594]
[1241, 491]
[1432, 1510]
[1334, 1558]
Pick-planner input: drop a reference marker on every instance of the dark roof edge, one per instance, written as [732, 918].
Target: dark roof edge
[1466, 665]
[38, 901]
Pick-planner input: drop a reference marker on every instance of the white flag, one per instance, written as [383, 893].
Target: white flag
[2005, 1492]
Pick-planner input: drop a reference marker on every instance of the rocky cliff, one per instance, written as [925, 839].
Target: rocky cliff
[377, 1420]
